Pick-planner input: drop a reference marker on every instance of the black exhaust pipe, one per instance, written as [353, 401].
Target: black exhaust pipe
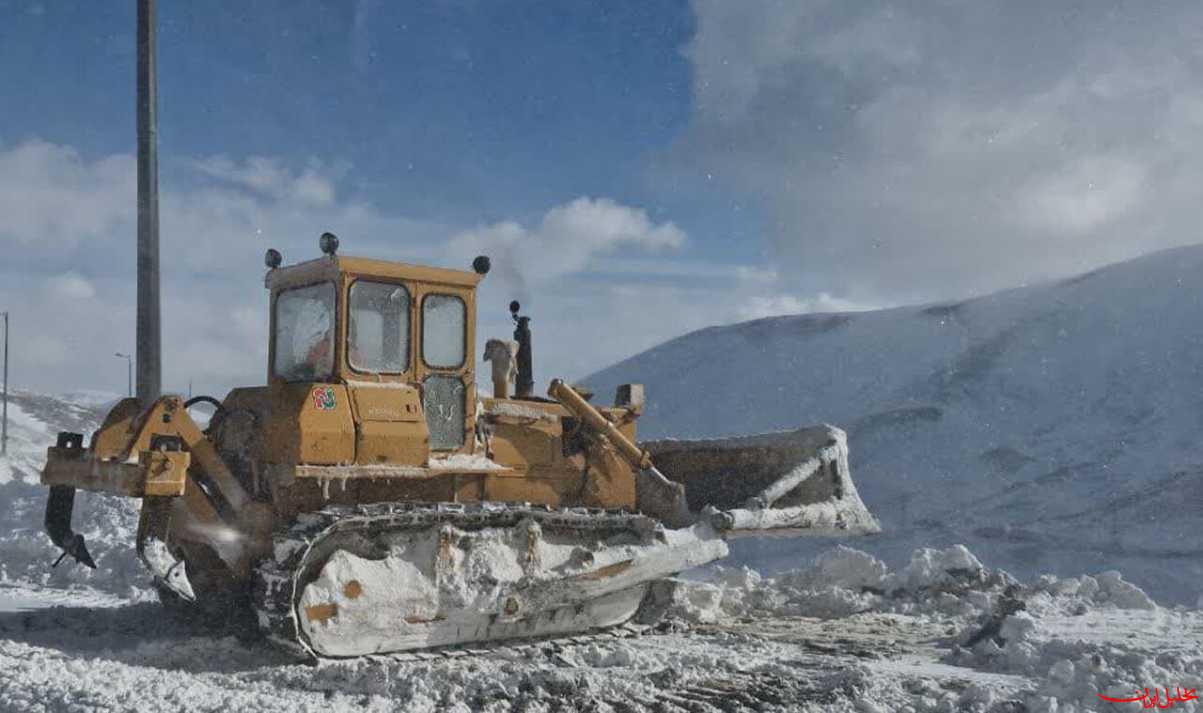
[525, 388]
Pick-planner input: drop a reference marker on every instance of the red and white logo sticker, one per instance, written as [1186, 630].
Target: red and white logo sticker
[323, 398]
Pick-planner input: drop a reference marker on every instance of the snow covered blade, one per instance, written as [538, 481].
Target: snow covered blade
[791, 483]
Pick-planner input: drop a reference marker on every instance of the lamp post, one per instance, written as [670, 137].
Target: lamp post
[129, 372]
[4, 417]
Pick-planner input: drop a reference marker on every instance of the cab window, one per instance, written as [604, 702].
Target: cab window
[378, 330]
[303, 341]
[443, 334]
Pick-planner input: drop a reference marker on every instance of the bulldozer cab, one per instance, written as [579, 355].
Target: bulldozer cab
[371, 324]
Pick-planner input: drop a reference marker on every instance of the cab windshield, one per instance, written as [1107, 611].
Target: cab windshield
[378, 333]
[304, 333]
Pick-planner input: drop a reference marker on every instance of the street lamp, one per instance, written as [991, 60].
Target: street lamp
[129, 372]
[4, 417]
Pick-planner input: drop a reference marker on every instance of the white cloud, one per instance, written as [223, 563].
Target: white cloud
[271, 178]
[311, 188]
[67, 265]
[683, 268]
[42, 351]
[918, 152]
[50, 196]
[567, 239]
[72, 286]
[884, 37]
[759, 306]
[1084, 196]
[594, 267]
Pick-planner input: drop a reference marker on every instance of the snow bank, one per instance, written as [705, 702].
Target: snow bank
[1073, 638]
[1112, 651]
[1084, 636]
[844, 581]
[108, 523]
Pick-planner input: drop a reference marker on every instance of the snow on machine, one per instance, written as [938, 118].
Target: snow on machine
[368, 500]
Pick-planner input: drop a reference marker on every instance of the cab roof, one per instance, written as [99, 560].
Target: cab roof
[332, 266]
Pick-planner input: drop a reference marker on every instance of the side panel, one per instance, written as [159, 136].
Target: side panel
[309, 423]
[390, 442]
[545, 487]
[550, 466]
[521, 445]
[389, 425]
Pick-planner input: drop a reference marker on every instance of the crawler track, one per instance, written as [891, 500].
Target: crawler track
[300, 549]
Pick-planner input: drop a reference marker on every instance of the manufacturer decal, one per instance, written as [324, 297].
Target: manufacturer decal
[323, 398]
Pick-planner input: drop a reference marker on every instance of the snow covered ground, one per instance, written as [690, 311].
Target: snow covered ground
[1053, 428]
[843, 634]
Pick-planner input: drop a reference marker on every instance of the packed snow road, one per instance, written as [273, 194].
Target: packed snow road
[125, 657]
[943, 634]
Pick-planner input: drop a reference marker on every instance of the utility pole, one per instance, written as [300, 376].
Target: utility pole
[148, 338]
[129, 372]
[4, 418]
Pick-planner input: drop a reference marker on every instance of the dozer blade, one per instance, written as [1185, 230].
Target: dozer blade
[790, 483]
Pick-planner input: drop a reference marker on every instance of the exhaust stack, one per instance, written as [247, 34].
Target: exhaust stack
[148, 338]
[526, 369]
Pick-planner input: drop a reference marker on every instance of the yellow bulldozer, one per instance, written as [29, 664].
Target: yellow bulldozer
[367, 499]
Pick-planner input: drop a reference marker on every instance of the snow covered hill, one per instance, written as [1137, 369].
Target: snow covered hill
[1052, 428]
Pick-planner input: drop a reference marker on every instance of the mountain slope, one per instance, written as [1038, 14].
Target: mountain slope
[1052, 428]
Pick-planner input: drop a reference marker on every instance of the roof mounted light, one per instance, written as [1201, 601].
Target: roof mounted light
[328, 243]
[272, 258]
[481, 264]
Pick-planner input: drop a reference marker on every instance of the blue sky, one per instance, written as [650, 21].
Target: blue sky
[636, 170]
[447, 111]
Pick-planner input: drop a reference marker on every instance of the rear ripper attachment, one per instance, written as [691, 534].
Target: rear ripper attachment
[366, 499]
[60, 503]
